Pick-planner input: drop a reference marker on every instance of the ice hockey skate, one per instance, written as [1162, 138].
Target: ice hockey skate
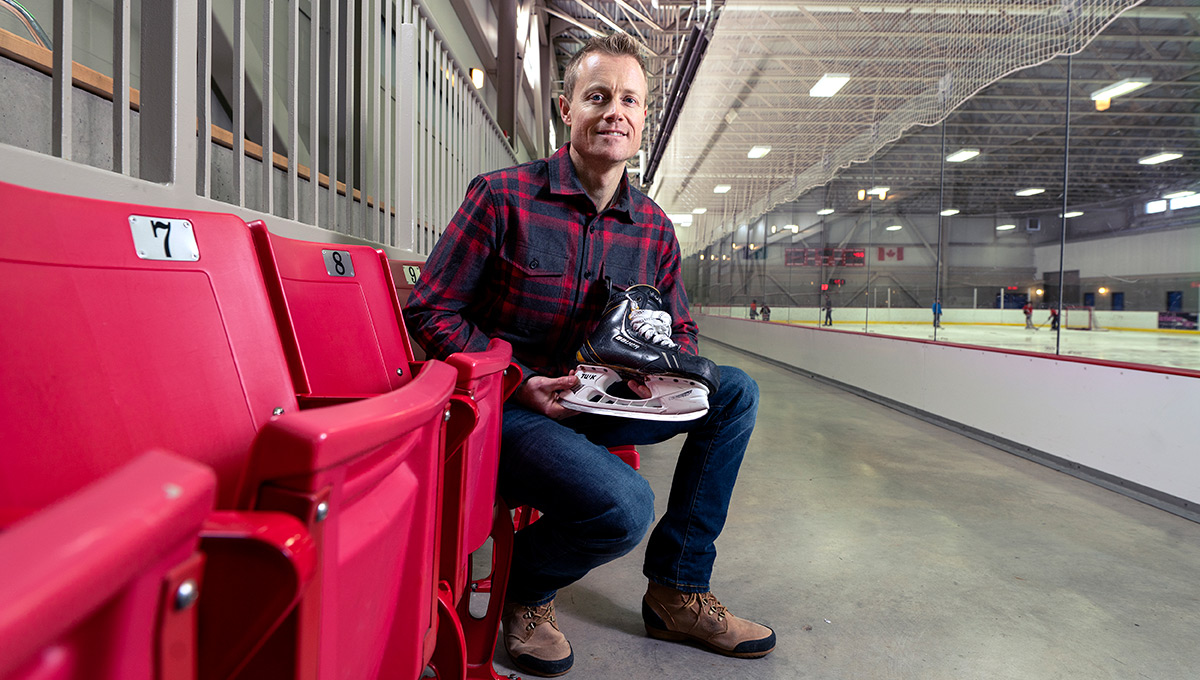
[633, 341]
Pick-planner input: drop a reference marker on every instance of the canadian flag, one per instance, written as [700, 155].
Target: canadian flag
[896, 253]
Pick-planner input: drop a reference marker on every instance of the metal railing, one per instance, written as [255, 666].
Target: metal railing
[373, 128]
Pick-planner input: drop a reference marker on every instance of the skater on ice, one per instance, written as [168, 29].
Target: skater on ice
[573, 266]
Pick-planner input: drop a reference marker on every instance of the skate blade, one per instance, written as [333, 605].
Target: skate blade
[622, 412]
[685, 400]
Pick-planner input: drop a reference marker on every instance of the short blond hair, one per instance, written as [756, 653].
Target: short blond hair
[617, 44]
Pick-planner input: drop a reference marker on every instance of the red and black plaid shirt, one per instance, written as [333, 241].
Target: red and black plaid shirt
[525, 259]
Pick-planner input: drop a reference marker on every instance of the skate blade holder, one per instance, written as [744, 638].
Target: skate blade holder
[672, 397]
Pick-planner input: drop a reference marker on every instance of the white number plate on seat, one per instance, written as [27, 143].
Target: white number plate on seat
[162, 238]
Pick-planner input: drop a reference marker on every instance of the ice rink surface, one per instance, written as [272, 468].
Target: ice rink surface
[1176, 349]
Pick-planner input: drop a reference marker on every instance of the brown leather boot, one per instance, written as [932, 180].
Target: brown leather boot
[698, 617]
[534, 642]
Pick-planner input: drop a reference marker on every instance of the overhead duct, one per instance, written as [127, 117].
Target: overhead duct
[693, 55]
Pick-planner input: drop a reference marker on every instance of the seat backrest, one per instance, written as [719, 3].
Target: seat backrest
[337, 314]
[405, 274]
[111, 567]
[127, 328]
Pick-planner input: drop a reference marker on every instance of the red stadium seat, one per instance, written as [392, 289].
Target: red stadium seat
[129, 328]
[341, 322]
[114, 566]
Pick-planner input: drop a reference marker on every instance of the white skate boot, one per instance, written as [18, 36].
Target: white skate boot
[633, 340]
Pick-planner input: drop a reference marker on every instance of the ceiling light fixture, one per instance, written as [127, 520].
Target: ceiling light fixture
[721, 189]
[825, 211]
[949, 212]
[1073, 213]
[881, 192]
[962, 155]
[1031, 191]
[758, 151]
[1120, 88]
[1160, 157]
[794, 228]
[477, 78]
[829, 84]
[895, 227]
[699, 211]
[1178, 194]
[1005, 227]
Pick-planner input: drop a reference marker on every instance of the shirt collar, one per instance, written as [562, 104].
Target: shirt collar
[564, 180]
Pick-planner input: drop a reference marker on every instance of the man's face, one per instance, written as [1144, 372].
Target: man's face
[607, 111]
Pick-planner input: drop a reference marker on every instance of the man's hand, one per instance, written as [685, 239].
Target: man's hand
[540, 394]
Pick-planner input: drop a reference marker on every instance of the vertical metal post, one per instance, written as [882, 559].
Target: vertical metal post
[314, 109]
[421, 177]
[937, 267]
[351, 146]
[508, 80]
[1062, 237]
[267, 97]
[387, 61]
[120, 112]
[168, 101]
[376, 31]
[293, 112]
[239, 101]
[62, 79]
[334, 95]
[366, 142]
[406, 129]
[440, 141]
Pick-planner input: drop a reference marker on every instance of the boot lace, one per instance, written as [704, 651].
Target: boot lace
[709, 601]
[652, 326]
[539, 615]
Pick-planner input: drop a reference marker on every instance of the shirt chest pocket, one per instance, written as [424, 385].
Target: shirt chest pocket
[527, 261]
[625, 274]
[534, 288]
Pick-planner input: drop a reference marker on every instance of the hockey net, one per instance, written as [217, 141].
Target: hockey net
[1078, 318]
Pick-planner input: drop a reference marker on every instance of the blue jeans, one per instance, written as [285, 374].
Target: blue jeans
[595, 508]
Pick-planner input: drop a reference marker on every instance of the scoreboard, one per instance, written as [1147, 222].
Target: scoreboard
[825, 257]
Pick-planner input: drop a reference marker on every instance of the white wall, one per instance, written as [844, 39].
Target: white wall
[1139, 426]
[1161, 252]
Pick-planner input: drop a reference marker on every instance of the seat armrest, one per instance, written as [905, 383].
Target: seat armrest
[60, 565]
[318, 439]
[474, 365]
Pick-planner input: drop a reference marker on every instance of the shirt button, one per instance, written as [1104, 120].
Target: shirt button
[533, 264]
[591, 230]
[587, 274]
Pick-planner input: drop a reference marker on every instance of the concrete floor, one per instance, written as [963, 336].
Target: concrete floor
[879, 546]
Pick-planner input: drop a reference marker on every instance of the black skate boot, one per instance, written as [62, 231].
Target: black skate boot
[629, 344]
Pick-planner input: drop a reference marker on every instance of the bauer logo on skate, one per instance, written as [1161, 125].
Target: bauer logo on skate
[626, 341]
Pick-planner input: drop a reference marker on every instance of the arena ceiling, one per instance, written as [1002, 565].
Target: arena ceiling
[995, 71]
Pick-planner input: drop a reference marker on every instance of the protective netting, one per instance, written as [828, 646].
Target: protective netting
[910, 63]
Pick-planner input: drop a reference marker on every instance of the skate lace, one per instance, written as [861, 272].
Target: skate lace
[653, 326]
